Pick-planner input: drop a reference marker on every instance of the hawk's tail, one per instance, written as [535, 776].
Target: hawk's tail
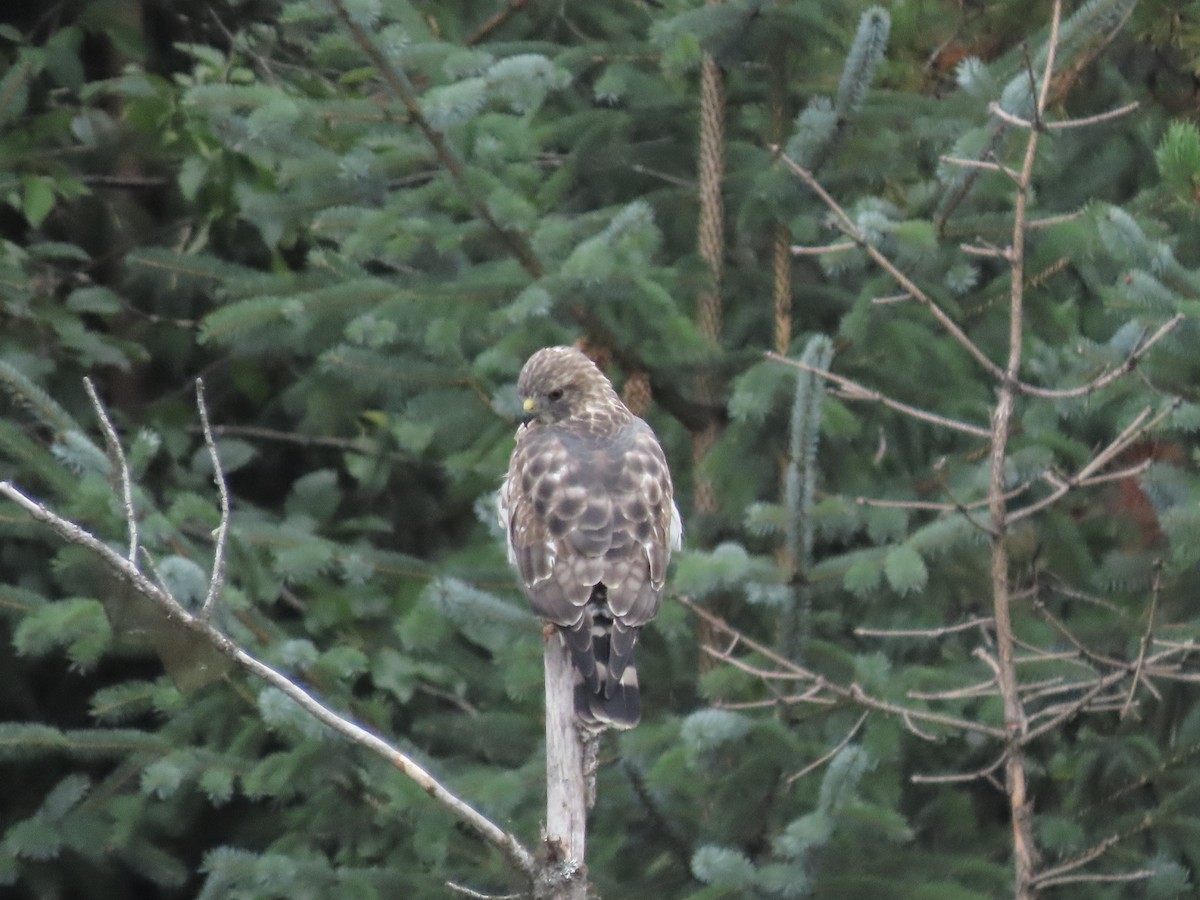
[606, 681]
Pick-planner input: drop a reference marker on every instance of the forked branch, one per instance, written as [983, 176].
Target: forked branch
[128, 571]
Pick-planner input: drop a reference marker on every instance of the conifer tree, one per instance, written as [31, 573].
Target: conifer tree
[355, 220]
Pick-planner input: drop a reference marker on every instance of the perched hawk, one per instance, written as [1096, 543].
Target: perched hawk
[587, 505]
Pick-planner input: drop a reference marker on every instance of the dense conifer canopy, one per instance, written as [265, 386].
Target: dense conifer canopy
[357, 218]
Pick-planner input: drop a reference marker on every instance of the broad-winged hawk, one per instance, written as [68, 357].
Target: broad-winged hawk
[591, 520]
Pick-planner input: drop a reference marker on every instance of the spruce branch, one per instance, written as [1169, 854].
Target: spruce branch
[399, 84]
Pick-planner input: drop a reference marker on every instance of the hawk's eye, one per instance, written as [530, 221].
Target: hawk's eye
[555, 395]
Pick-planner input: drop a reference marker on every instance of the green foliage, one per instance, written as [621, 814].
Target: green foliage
[239, 192]
[1178, 158]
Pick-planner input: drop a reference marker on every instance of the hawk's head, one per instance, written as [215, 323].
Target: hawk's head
[560, 383]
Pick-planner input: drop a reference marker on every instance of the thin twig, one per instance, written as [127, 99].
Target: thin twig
[847, 225]
[980, 164]
[817, 763]
[1155, 589]
[1139, 875]
[1094, 120]
[512, 849]
[798, 250]
[116, 455]
[789, 670]
[216, 582]
[924, 632]
[496, 21]
[1108, 377]
[1055, 874]
[856, 391]
[958, 777]
[1087, 476]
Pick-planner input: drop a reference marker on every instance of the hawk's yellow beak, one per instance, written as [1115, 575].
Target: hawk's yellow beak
[528, 405]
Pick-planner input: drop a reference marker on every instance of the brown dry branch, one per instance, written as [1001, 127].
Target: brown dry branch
[855, 391]
[846, 224]
[823, 690]
[486, 29]
[977, 622]
[837, 748]
[960, 777]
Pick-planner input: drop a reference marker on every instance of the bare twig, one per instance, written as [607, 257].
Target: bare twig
[959, 777]
[856, 391]
[817, 763]
[1087, 476]
[486, 29]
[985, 165]
[512, 849]
[1094, 120]
[1056, 874]
[847, 225]
[1139, 875]
[1108, 377]
[116, 455]
[216, 582]
[980, 621]
[787, 670]
[842, 247]
[1155, 589]
[480, 895]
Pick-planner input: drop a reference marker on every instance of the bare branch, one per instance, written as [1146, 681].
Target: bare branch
[1094, 120]
[1108, 377]
[817, 763]
[1055, 874]
[1087, 476]
[480, 895]
[512, 849]
[959, 777]
[987, 251]
[496, 21]
[1155, 589]
[216, 582]
[981, 621]
[1139, 875]
[1000, 113]
[856, 391]
[985, 165]
[847, 225]
[798, 250]
[1051, 221]
[791, 671]
[116, 455]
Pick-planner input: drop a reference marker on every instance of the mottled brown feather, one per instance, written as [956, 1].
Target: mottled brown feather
[588, 508]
